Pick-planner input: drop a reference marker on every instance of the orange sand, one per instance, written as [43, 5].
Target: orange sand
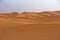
[30, 26]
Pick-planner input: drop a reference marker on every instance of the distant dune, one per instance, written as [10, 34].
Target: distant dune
[46, 17]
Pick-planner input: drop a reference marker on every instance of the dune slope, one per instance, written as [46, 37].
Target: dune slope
[46, 17]
[30, 26]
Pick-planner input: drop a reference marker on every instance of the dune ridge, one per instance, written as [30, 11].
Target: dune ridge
[46, 17]
[30, 26]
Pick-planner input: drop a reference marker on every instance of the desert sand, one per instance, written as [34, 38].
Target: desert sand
[30, 26]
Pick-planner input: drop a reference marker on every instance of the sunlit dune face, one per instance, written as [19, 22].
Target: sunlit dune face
[28, 14]
[30, 26]
[51, 13]
[45, 17]
[46, 14]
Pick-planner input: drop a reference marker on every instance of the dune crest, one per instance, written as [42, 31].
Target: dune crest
[39, 14]
[45, 17]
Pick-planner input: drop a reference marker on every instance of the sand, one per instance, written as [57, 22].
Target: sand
[31, 32]
[35, 28]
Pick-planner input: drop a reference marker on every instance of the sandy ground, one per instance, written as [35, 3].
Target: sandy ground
[31, 32]
[30, 26]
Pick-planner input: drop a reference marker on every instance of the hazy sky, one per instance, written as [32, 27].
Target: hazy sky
[29, 5]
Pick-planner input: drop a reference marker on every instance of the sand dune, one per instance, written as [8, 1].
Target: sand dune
[30, 26]
[46, 17]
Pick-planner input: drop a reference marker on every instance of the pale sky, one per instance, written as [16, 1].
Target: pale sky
[29, 5]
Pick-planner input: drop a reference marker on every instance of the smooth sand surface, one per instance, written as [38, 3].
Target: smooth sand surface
[31, 32]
